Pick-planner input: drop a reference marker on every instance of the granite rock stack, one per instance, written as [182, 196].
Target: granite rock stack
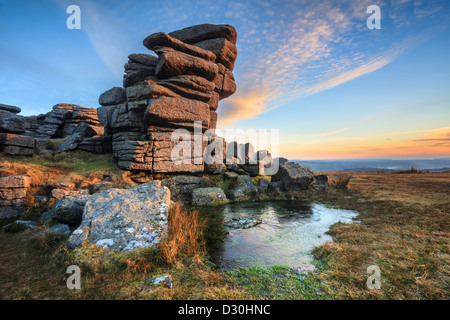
[184, 83]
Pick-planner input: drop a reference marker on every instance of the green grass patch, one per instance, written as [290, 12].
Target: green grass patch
[277, 282]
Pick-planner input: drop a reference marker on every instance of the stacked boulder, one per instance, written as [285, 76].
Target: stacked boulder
[13, 141]
[183, 84]
[13, 190]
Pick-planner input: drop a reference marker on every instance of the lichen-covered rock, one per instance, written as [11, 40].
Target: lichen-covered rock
[208, 196]
[125, 219]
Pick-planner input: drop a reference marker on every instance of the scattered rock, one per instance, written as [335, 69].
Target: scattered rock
[276, 185]
[67, 210]
[82, 131]
[125, 219]
[263, 184]
[230, 175]
[165, 281]
[293, 176]
[245, 186]
[59, 228]
[320, 179]
[60, 193]
[242, 222]
[208, 196]
[182, 186]
[28, 223]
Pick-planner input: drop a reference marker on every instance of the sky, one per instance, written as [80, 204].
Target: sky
[311, 69]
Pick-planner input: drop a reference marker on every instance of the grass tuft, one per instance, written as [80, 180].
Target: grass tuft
[185, 237]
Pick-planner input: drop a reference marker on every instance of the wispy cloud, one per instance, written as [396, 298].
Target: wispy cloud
[332, 133]
[312, 47]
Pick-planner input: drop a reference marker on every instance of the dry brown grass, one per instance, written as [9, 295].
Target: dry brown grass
[341, 181]
[404, 229]
[185, 236]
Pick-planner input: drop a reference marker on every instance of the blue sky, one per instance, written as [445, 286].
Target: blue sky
[311, 69]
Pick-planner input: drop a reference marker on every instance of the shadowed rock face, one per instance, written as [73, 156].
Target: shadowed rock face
[184, 83]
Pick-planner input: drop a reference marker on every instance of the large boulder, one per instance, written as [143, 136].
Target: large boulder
[67, 210]
[208, 196]
[125, 219]
[293, 176]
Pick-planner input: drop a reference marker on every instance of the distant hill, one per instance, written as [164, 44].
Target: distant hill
[349, 165]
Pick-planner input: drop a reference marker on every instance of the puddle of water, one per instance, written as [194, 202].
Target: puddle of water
[286, 233]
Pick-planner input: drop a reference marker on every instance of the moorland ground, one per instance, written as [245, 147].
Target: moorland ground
[403, 227]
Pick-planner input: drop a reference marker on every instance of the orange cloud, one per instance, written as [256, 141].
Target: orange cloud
[431, 143]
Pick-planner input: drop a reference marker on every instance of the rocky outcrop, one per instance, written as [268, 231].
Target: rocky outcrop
[13, 190]
[182, 84]
[64, 119]
[22, 136]
[293, 176]
[125, 219]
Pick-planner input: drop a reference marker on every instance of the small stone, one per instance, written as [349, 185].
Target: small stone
[165, 281]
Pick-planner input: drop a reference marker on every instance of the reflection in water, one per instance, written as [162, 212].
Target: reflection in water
[286, 236]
